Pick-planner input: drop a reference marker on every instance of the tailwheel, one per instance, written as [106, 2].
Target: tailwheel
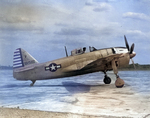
[119, 82]
[33, 81]
[107, 80]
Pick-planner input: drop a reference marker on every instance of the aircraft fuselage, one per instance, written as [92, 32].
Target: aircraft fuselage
[73, 65]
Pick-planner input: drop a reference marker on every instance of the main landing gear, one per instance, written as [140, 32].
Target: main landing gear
[119, 82]
[107, 80]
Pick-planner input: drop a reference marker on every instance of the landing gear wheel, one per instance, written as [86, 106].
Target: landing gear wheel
[107, 80]
[119, 82]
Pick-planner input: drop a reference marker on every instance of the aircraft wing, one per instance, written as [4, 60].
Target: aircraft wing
[92, 63]
[101, 62]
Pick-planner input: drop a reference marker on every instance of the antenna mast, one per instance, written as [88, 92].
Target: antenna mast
[66, 51]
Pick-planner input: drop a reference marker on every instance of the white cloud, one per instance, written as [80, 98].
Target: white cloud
[99, 7]
[135, 32]
[138, 16]
[48, 26]
[102, 7]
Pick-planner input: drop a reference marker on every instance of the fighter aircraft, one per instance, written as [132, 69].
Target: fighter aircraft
[80, 62]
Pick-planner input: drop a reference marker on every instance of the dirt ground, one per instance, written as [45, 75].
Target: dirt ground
[22, 113]
[94, 100]
[98, 103]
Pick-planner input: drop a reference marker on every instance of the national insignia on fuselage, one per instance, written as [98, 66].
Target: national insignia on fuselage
[53, 67]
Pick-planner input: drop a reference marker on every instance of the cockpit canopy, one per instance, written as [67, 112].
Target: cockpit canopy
[92, 49]
[115, 50]
[78, 51]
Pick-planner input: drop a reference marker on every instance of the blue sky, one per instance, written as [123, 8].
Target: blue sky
[44, 27]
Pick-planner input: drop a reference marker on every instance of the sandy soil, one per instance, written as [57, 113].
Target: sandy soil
[90, 101]
[23, 113]
[101, 102]
[115, 102]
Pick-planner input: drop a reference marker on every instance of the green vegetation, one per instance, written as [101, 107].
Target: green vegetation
[137, 66]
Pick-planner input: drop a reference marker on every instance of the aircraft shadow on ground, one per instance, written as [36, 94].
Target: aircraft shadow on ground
[74, 87]
[14, 86]
[71, 86]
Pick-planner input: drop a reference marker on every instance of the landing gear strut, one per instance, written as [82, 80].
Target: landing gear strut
[33, 81]
[119, 82]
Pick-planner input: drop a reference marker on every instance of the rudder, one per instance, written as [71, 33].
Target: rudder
[22, 58]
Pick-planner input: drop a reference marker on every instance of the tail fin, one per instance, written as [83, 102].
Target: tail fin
[22, 59]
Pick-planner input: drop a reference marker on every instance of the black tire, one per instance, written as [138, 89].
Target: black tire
[107, 80]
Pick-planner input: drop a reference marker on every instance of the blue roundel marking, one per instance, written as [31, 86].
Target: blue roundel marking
[53, 67]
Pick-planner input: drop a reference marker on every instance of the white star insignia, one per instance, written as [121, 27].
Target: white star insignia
[53, 67]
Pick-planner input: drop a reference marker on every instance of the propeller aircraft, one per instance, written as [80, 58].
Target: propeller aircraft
[25, 67]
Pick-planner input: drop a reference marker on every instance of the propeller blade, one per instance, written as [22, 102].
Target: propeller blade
[132, 48]
[133, 64]
[126, 42]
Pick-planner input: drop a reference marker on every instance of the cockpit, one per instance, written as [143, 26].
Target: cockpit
[78, 51]
[92, 49]
[115, 50]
